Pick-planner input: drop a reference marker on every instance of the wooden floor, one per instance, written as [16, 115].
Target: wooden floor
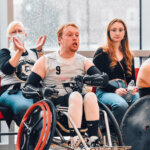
[57, 148]
[99, 148]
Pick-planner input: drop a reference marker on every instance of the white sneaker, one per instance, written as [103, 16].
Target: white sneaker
[76, 143]
[93, 141]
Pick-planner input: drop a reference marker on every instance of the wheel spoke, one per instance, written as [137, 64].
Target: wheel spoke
[37, 123]
[25, 142]
[26, 125]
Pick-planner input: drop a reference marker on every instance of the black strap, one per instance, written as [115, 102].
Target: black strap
[25, 53]
[123, 71]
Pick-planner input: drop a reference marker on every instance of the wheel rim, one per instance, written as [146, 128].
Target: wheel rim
[135, 125]
[26, 130]
[116, 137]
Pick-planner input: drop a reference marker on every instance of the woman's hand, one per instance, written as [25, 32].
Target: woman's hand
[134, 90]
[40, 42]
[18, 45]
[121, 91]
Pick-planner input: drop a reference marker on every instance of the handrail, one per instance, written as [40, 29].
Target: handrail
[90, 54]
[136, 53]
[141, 53]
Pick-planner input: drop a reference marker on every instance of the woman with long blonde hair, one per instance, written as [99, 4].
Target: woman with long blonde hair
[116, 59]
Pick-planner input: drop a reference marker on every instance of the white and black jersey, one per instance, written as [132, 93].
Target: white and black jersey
[10, 75]
[60, 70]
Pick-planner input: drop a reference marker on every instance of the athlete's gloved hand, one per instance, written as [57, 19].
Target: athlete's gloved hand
[50, 92]
[31, 92]
[99, 80]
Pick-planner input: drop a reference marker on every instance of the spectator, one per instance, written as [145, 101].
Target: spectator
[116, 60]
[15, 65]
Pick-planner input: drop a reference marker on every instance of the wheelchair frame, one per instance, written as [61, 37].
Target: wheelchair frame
[46, 138]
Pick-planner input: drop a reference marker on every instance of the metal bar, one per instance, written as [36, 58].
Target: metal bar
[60, 135]
[140, 23]
[107, 128]
[62, 145]
[9, 133]
[140, 60]
[76, 130]
[90, 54]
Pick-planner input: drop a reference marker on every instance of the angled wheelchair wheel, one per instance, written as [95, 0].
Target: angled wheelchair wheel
[116, 136]
[135, 125]
[37, 127]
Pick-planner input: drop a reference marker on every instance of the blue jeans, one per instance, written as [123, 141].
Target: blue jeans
[17, 103]
[117, 103]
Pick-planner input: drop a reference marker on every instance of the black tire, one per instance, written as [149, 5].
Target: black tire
[116, 135]
[53, 125]
[135, 125]
[37, 127]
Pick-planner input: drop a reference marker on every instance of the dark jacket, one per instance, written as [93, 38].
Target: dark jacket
[102, 62]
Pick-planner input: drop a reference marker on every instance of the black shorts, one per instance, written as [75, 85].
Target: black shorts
[61, 100]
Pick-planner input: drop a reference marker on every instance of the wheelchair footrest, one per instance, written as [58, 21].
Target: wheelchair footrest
[112, 148]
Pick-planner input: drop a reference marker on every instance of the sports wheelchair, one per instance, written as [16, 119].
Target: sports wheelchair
[135, 125]
[44, 124]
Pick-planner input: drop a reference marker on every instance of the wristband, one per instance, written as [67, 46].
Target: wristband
[39, 51]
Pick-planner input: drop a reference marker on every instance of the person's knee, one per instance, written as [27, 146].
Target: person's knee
[121, 106]
[90, 98]
[124, 105]
[91, 107]
[114, 101]
[75, 98]
[91, 103]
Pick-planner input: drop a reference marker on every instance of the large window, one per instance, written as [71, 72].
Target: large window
[3, 23]
[0, 36]
[92, 16]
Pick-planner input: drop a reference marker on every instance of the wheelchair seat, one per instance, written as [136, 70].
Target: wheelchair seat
[62, 122]
[6, 114]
